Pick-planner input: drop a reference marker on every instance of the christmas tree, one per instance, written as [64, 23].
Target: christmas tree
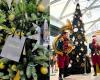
[78, 39]
[17, 18]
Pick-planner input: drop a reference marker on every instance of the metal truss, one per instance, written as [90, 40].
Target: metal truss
[93, 23]
[56, 20]
[54, 1]
[83, 10]
[65, 7]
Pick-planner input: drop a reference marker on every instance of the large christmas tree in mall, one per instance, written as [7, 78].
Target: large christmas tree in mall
[19, 18]
[78, 38]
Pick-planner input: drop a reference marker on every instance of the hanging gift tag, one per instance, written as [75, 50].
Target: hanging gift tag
[13, 48]
[37, 35]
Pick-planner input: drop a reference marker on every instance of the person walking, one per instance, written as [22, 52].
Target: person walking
[63, 60]
[94, 54]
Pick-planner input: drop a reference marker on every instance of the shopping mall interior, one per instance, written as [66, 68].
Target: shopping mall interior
[49, 39]
[81, 20]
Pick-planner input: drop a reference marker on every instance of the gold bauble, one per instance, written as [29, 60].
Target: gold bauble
[2, 65]
[44, 70]
[1, 27]
[79, 36]
[11, 17]
[13, 67]
[41, 7]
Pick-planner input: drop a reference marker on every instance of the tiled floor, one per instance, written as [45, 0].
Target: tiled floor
[82, 77]
[54, 76]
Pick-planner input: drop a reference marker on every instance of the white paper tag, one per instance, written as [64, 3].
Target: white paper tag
[13, 48]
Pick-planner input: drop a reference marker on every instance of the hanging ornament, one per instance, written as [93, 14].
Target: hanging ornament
[73, 38]
[75, 26]
[82, 49]
[13, 67]
[83, 59]
[44, 70]
[85, 43]
[41, 7]
[77, 56]
[76, 12]
[77, 59]
[1, 27]
[81, 42]
[2, 65]
[46, 33]
[11, 17]
[79, 24]
[81, 18]
[76, 43]
[74, 17]
[75, 29]
[79, 36]
[79, 53]
[82, 29]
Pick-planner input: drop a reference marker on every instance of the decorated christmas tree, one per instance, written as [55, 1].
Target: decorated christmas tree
[78, 39]
[16, 19]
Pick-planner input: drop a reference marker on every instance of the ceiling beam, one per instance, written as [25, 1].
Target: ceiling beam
[92, 21]
[54, 1]
[54, 31]
[90, 8]
[68, 1]
[93, 24]
[56, 20]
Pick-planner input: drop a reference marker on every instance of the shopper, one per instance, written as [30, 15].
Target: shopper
[94, 54]
[61, 60]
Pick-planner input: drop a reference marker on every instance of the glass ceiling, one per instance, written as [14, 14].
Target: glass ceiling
[61, 10]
